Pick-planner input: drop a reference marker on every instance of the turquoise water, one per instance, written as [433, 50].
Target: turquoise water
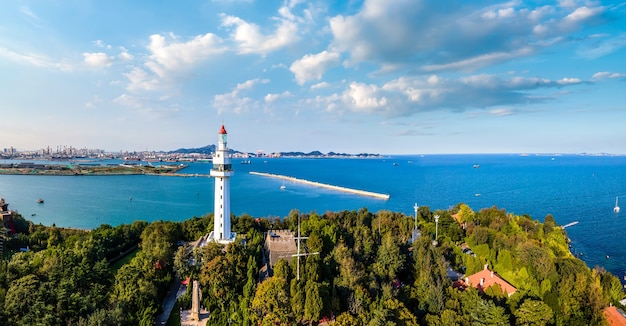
[571, 188]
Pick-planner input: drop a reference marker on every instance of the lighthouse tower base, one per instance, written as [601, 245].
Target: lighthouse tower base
[211, 237]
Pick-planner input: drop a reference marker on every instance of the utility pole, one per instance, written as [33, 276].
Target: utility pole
[414, 234]
[436, 229]
[415, 207]
[299, 254]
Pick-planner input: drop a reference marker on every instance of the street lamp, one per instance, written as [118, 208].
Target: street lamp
[415, 207]
[436, 229]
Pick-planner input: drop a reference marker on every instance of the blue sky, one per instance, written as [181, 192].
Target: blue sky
[376, 76]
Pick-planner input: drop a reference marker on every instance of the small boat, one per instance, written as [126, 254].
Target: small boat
[476, 166]
[616, 209]
[40, 201]
[395, 164]
[283, 187]
[33, 214]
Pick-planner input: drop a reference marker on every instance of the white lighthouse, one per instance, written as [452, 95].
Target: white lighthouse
[221, 172]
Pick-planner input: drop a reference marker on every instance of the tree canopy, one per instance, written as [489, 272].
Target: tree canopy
[368, 272]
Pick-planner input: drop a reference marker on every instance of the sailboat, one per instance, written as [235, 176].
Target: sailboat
[283, 187]
[616, 209]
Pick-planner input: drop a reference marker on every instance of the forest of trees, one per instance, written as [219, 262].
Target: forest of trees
[367, 273]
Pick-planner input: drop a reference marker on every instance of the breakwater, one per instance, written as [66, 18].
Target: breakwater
[323, 185]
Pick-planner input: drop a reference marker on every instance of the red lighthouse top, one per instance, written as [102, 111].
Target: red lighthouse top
[222, 131]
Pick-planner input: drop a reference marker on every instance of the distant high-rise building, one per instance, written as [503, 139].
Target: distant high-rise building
[221, 172]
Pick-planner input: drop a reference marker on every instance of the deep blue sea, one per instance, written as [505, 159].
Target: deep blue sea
[570, 187]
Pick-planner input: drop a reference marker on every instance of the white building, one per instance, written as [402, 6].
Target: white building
[221, 172]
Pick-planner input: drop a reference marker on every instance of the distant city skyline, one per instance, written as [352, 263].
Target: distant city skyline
[368, 76]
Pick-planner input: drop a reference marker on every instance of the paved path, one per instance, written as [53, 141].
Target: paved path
[174, 292]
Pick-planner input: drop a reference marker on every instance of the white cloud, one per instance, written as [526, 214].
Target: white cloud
[33, 59]
[101, 44]
[128, 100]
[313, 66]
[568, 81]
[270, 98]
[608, 75]
[320, 85]
[98, 59]
[403, 34]
[480, 61]
[251, 39]
[125, 55]
[93, 103]
[170, 60]
[501, 112]
[365, 97]
[601, 46]
[582, 14]
[141, 80]
[169, 56]
[233, 101]
[405, 96]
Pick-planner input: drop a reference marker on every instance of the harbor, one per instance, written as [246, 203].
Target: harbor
[323, 185]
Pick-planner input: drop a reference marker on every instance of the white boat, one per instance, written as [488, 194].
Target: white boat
[616, 209]
[283, 187]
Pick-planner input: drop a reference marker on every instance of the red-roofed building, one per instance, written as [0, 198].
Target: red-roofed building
[614, 316]
[484, 279]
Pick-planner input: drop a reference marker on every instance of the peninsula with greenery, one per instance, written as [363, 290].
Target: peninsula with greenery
[444, 267]
[28, 168]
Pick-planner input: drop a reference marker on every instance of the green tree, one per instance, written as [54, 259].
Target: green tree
[465, 214]
[271, 301]
[248, 291]
[314, 304]
[297, 298]
[389, 260]
[182, 263]
[282, 269]
[346, 319]
[21, 298]
[487, 313]
[133, 291]
[533, 312]
[430, 277]
[217, 277]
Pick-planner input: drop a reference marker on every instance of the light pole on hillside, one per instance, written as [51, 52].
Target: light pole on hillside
[436, 229]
